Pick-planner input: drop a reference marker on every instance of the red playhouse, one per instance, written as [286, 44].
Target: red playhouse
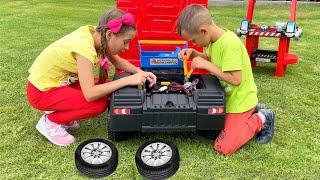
[283, 31]
[156, 27]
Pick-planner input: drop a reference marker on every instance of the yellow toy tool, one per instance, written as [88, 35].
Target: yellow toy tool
[186, 73]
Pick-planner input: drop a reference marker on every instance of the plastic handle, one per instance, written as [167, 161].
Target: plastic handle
[189, 73]
[185, 67]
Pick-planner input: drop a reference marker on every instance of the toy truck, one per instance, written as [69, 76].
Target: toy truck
[172, 105]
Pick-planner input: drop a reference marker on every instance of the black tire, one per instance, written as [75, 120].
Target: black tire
[209, 134]
[160, 169]
[117, 136]
[99, 150]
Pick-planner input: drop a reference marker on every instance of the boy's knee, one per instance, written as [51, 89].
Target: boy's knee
[222, 146]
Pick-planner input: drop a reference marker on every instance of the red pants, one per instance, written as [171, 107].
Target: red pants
[239, 129]
[67, 102]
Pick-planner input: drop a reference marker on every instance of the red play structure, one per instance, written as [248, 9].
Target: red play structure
[156, 26]
[283, 31]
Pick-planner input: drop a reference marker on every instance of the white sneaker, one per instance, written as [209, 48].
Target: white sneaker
[55, 133]
[71, 126]
[48, 112]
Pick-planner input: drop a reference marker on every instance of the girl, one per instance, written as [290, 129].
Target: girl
[61, 80]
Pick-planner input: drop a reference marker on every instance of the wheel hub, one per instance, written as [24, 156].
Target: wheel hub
[156, 154]
[96, 153]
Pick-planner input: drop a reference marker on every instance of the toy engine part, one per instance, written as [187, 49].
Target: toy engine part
[163, 88]
[187, 88]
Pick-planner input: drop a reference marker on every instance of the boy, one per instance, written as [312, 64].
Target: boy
[226, 58]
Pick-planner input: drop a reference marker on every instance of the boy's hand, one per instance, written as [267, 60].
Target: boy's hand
[200, 63]
[185, 52]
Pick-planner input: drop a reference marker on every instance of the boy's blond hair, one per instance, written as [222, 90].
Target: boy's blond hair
[192, 17]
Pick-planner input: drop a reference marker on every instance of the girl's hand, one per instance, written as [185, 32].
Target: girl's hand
[185, 52]
[151, 78]
[141, 77]
[200, 63]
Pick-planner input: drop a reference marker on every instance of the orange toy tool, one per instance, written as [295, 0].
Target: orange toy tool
[185, 68]
[186, 73]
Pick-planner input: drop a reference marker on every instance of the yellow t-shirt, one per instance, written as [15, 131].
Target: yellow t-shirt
[56, 65]
[229, 54]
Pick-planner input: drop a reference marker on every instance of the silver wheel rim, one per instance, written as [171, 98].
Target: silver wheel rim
[156, 154]
[96, 153]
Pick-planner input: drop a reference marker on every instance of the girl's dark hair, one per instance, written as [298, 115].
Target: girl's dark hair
[102, 28]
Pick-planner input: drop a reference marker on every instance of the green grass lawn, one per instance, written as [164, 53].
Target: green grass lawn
[27, 27]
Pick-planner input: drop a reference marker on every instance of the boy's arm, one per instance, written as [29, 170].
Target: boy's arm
[125, 65]
[196, 53]
[190, 52]
[232, 77]
[231, 66]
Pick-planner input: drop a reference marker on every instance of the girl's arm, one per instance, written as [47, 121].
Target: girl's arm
[93, 92]
[124, 65]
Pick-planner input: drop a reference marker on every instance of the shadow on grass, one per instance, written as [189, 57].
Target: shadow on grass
[171, 136]
[264, 69]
